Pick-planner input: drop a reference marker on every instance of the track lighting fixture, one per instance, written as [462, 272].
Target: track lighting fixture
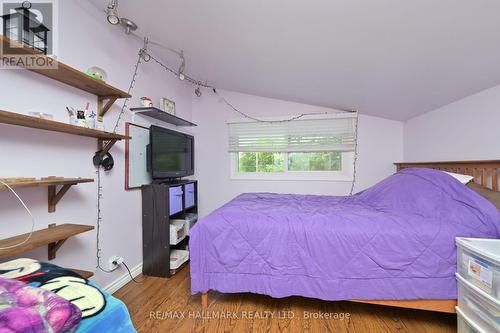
[112, 12]
[114, 19]
[198, 92]
[129, 25]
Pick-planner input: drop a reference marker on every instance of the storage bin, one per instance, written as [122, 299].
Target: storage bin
[465, 325]
[481, 308]
[189, 195]
[175, 196]
[478, 262]
[178, 231]
[178, 257]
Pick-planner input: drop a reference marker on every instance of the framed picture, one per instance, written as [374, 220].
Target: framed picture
[167, 105]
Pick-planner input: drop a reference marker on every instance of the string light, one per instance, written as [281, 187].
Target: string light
[146, 56]
[182, 67]
[143, 55]
[355, 159]
[198, 92]
[99, 220]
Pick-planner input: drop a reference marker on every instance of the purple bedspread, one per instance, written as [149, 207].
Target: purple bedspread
[395, 240]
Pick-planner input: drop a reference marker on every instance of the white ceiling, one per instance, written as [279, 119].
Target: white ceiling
[390, 58]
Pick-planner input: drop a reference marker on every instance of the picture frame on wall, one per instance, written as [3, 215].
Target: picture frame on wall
[167, 105]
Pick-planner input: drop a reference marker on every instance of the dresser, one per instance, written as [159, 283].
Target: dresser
[478, 281]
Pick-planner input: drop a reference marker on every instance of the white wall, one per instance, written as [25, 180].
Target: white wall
[380, 144]
[464, 130]
[84, 40]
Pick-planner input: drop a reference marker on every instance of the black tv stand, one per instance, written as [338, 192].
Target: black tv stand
[167, 181]
[162, 202]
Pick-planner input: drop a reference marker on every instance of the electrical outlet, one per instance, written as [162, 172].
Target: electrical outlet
[114, 262]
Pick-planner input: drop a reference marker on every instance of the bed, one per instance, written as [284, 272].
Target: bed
[97, 310]
[392, 244]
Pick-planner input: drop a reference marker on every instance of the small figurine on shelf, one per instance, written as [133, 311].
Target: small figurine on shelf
[146, 102]
[97, 73]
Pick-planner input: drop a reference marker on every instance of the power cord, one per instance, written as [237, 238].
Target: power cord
[129, 273]
[29, 212]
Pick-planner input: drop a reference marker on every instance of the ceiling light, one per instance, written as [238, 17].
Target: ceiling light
[112, 12]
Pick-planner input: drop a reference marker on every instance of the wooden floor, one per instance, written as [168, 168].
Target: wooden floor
[161, 305]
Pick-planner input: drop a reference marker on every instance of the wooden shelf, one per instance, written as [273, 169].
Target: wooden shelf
[51, 183]
[68, 75]
[158, 114]
[54, 237]
[46, 182]
[18, 119]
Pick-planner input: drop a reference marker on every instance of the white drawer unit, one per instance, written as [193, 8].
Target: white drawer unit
[465, 324]
[178, 257]
[482, 309]
[189, 195]
[175, 200]
[478, 262]
[178, 231]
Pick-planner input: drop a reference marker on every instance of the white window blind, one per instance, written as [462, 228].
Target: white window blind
[335, 132]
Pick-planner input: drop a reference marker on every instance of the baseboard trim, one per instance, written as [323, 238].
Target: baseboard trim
[123, 280]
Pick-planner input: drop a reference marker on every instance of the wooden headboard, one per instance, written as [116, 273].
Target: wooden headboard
[484, 172]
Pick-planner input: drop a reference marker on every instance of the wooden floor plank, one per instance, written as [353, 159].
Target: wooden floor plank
[174, 296]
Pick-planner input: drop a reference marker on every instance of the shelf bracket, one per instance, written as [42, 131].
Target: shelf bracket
[54, 196]
[103, 108]
[104, 146]
[53, 247]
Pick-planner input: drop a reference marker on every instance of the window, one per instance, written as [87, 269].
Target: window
[261, 162]
[321, 148]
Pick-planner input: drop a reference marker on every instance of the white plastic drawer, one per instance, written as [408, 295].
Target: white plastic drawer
[465, 324]
[481, 308]
[178, 257]
[189, 195]
[478, 263]
[175, 196]
[178, 231]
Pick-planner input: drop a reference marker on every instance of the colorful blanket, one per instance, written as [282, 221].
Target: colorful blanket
[28, 309]
[100, 312]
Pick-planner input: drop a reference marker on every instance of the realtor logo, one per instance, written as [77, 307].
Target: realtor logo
[28, 34]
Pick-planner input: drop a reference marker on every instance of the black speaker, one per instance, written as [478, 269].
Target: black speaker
[105, 161]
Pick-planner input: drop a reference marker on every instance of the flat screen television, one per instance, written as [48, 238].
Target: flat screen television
[171, 153]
